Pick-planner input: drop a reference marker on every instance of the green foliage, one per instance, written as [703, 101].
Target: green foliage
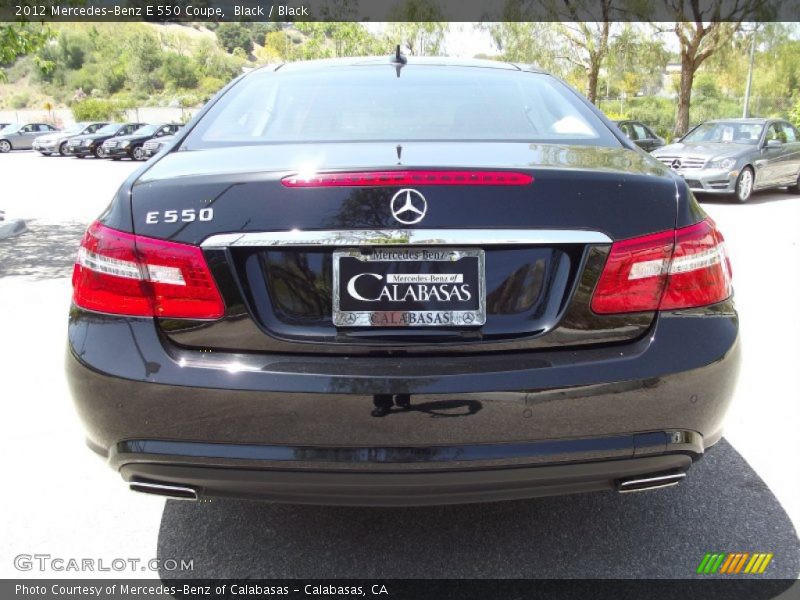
[658, 113]
[179, 70]
[422, 38]
[235, 35]
[143, 56]
[794, 114]
[146, 64]
[20, 100]
[93, 109]
[308, 41]
[635, 63]
[18, 39]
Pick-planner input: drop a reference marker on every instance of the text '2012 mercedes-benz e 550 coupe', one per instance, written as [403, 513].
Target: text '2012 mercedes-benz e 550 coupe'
[401, 282]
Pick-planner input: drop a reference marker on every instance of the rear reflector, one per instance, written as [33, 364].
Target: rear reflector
[678, 269]
[124, 274]
[400, 178]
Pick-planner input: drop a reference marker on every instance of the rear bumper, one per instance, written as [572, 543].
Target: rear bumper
[403, 488]
[381, 430]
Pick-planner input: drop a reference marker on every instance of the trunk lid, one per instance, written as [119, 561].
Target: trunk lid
[279, 297]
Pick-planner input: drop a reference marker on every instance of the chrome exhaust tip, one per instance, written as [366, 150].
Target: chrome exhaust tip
[651, 482]
[177, 492]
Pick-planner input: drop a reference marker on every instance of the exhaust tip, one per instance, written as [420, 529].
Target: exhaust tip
[178, 492]
[650, 482]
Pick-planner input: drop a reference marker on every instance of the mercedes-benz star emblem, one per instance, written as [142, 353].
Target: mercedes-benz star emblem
[676, 164]
[408, 206]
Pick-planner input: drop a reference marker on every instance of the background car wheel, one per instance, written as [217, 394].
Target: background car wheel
[795, 189]
[5, 146]
[99, 152]
[138, 153]
[62, 149]
[744, 185]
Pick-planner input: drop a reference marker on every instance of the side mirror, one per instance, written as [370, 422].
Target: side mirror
[773, 144]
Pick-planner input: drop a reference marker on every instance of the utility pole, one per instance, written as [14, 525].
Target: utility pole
[750, 74]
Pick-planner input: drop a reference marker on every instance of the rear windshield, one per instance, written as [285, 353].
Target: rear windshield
[371, 103]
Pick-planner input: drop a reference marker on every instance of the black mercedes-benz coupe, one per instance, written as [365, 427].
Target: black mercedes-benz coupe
[392, 281]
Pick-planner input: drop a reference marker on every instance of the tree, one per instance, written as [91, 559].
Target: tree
[635, 62]
[418, 26]
[17, 39]
[92, 109]
[588, 40]
[144, 58]
[235, 35]
[535, 43]
[336, 38]
[179, 70]
[702, 31]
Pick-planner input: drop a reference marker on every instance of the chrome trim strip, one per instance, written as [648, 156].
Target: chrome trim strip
[177, 492]
[408, 237]
[644, 484]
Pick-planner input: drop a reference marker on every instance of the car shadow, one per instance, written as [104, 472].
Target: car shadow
[45, 251]
[723, 506]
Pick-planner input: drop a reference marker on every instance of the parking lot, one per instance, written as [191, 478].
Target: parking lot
[64, 501]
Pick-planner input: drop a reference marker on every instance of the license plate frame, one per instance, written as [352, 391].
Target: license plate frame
[444, 318]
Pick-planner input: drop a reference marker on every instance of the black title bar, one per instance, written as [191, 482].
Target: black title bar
[399, 10]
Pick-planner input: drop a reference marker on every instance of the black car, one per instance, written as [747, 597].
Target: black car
[401, 281]
[641, 135]
[82, 146]
[132, 146]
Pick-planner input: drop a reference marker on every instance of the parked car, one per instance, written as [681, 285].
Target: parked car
[57, 142]
[641, 135]
[737, 156]
[154, 146]
[4, 125]
[91, 144]
[132, 146]
[278, 306]
[20, 137]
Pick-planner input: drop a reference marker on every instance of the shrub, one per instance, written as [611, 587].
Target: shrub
[95, 109]
[179, 71]
[20, 100]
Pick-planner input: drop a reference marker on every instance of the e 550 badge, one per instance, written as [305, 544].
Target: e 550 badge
[187, 215]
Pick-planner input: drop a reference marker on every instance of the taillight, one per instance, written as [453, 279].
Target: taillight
[125, 274]
[677, 269]
[400, 178]
[700, 272]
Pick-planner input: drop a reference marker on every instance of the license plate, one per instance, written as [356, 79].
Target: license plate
[409, 287]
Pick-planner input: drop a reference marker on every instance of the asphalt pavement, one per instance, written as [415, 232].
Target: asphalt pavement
[743, 496]
[722, 507]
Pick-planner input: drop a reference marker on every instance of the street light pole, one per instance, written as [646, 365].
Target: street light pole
[750, 74]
